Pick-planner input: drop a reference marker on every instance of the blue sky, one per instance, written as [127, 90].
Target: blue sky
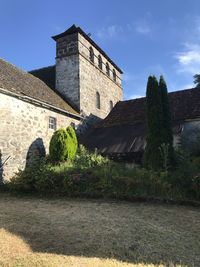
[143, 37]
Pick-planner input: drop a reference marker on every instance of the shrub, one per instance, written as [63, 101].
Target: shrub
[86, 159]
[72, 143]
[25, 181]
[58, 150]
[63, 145]
[97, 176]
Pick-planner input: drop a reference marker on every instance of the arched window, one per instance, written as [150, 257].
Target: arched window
[100, 62]
[114, 75]
[107, 69]
[98, 101]
[91, 55]
[111, 105]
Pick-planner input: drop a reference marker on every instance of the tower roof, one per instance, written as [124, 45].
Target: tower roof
[74, 29]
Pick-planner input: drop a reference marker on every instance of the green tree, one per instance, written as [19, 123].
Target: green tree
[166, 127]
[154, 110]
[197, 80]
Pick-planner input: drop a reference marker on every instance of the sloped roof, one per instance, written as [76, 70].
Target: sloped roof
[47, 75]
[22, 83]
[124, 129]
[74, 29]
[185, 105]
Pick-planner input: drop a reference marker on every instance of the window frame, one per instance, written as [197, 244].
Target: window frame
[114, 75]
[111, 105]
[100, 62]
[107, 69]
[52, 123]
[98, 100]
[91, 54]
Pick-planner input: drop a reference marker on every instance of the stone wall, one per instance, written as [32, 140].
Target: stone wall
[93, 80]
[24, 127]
[67, 68]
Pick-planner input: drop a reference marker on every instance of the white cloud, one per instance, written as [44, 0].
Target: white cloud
[110, 31]
[142, 28]
[189, 59]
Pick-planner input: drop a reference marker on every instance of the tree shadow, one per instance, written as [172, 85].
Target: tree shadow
[35, 152]
[53, 226]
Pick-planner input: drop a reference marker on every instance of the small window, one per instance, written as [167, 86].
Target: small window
[107, 69]
[100, 62]
[111, 105]
[114, 75]
[98, 101]
[52, 123]
[91, 55]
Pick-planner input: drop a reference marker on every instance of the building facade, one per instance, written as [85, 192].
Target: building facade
[81, 88]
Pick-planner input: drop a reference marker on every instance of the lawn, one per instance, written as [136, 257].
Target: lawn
[80, 233]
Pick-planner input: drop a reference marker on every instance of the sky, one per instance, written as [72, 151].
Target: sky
[143, 37]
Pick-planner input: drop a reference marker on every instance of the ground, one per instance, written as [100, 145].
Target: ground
[65, 232]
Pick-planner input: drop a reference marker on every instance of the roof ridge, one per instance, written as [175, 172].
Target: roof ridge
[14, 66]
[173, 92]
[73, 29]
[42, 68]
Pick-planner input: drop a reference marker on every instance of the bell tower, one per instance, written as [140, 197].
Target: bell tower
[85, 75]
[67, 66]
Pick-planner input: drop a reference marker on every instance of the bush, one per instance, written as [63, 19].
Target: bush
[25, 181]
[92, 175]
[58, 150]
[86, 159]
[72, 142]
[63, 145]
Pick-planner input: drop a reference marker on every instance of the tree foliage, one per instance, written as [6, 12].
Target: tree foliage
[197, 80]
[152, 157]
[72, 143]
[159, 148]
[63, 145]
[166, 127]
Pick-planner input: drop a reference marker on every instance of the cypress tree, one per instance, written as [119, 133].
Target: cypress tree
[154, 110]
[166, 127]
[197, 80]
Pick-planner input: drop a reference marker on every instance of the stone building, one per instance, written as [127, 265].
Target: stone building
[84, 75]
[122, 134]
[83, 86]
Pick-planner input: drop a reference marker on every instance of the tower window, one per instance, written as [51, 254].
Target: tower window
[52, 123]
[111, 105]
[107, 69]
[91, 55]
[98, 101]
[100, 62]
[114, 75]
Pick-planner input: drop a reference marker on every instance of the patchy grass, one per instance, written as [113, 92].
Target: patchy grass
[63, 232]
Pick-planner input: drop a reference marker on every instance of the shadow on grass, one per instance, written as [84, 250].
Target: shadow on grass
[129, 232]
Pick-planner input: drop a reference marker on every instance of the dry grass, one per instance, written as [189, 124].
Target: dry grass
[44, 232]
